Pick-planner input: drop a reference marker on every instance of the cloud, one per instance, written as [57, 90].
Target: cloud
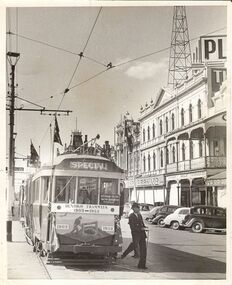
[147, 69]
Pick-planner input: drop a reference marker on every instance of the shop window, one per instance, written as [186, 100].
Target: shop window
[161, 158]
[173, 154]
[173, 121]
[183, 151]
[153, 130]
[36, 188]
[161, 127]
[149, 162]
[148, 133]
[166, 124]
[199, 108]
[182, 117]
[154, 161]
[190, 113]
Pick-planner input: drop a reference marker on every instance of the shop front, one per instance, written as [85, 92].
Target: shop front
[216, 184]
[149, 190]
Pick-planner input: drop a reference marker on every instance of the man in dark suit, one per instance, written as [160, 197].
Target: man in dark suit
[138, 235]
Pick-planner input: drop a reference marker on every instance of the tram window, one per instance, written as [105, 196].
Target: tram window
[109, 192]
[36, 190]
[87, 190]
[45, 188]
[65, 189]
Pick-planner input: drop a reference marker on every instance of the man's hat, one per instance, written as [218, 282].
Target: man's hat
[135, 205]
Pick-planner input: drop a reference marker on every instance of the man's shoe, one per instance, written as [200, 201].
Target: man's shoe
[135, 256]
[122, 256]
[142, 267]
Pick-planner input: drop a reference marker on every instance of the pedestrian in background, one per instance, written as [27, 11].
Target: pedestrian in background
[138, 235]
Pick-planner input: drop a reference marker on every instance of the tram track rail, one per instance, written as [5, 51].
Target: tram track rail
[43, 265]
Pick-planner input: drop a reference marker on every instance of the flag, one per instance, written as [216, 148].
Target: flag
[34, 159]
[57, 138]
[128, 135]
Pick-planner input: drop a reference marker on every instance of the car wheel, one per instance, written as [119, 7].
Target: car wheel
[161, 222]
[197, 227]
[175, 225]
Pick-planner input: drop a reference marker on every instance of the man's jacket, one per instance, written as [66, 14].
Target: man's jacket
[136, 223]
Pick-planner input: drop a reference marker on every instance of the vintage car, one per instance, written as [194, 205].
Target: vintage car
[175, 219]
[153, 213]
[163, 213]
[202, 218]
[144, 209]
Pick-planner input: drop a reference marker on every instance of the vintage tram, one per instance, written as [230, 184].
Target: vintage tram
[72, 206]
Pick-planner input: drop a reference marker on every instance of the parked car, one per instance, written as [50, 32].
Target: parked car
[175, 219]
[153, 213]
[144, 209]
[127, 209]
[163, 213]
[202, 218]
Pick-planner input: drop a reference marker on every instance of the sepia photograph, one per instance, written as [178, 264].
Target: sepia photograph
[114, 141]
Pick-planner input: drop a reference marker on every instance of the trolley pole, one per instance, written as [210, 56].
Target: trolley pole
[11, 56]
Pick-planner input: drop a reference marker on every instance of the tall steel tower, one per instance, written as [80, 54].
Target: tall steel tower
[180, 53]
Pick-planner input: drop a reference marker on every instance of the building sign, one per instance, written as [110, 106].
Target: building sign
[84, 208]
[216, 182]
[213, 48]
[215, 78]
[145, 182]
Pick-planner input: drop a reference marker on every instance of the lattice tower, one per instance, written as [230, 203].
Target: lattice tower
[180, 53]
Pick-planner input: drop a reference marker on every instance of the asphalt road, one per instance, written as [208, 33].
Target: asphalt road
[171, 255]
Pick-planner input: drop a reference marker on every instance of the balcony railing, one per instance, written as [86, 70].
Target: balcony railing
[216, 161]
[197, 163]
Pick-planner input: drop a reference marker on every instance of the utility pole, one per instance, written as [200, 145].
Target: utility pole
[12, 58]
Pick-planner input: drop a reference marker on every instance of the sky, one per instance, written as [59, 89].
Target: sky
[119, 35]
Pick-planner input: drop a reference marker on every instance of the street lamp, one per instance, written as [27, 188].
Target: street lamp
[12, 58]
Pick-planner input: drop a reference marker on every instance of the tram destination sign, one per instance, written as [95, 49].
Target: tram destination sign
[89, 164]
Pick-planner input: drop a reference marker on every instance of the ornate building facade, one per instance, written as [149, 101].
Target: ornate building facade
[182, 139]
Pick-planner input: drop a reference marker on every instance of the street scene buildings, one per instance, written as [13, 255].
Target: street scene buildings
[116, 140]
[182, 140]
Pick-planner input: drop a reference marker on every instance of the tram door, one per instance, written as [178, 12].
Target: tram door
[45, 186]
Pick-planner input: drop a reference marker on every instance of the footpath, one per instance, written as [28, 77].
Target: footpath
[22, 262]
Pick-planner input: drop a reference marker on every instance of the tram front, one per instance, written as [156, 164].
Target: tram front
[85, 207]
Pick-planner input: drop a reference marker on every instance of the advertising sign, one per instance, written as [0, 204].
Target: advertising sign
[146, 181]
[83, 228]
[213, 48]
[215, 78]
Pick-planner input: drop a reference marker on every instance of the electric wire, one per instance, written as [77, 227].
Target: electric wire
[74, 72]
[85, 46]
[55, 47]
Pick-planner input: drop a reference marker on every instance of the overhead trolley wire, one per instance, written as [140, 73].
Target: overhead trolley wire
[82, 53]
[74, 72]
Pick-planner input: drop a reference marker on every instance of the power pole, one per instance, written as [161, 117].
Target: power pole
[180, 54]
[13, 58]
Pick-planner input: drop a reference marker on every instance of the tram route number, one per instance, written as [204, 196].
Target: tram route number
[108, 228]
[62, 226]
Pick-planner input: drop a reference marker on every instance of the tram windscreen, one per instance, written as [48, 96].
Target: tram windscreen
[65, 189]
[87, 190]
[109, 192]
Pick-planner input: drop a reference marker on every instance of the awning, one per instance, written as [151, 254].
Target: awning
[217, 179]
